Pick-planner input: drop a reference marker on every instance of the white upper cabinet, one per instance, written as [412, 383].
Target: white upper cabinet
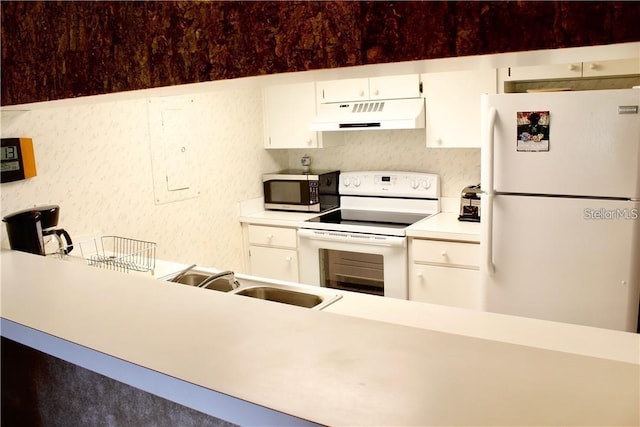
[611, 68]
[615, 67]
[343, 90]
[288, 113]
[540, 72]
[366, 89]
[406, 86]
[453, 106]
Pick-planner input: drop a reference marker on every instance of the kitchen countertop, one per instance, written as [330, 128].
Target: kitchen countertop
[278, 218]
[445, 225]
[309, 364]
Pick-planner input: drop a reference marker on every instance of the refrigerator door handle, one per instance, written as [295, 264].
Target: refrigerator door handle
[487, 150]
[487, 186]
[488, 216]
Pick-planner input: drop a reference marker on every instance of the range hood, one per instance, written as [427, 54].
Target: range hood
[370, 115]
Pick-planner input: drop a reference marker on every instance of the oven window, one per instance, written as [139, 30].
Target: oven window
[352, 271]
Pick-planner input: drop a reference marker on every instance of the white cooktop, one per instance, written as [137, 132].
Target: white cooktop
[381, 202]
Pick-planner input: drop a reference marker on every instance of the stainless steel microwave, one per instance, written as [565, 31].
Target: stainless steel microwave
[292, 190]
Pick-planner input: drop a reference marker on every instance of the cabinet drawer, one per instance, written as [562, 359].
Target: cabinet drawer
[273, 236]
[446, 253]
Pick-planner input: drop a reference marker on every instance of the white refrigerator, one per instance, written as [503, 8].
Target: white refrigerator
[560, 211]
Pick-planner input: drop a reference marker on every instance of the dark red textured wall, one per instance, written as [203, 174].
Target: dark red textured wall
[61, 49]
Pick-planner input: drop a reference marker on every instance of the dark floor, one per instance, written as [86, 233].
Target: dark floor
[41, 390]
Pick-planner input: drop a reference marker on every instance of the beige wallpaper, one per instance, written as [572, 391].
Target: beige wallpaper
[94, 160]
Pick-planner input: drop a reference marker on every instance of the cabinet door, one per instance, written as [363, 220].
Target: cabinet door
[540, 72]
[611, 68]
[458, 287]
[280, 264]
[343, 90]
[288, 112]
[453, 106]
[406, 86]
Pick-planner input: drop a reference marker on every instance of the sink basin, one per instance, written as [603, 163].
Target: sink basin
[194, 279]
[301, 296]
[289, 296]
[191, 279]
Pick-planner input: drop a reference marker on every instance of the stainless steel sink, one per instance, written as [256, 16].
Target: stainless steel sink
[301, 296]
[289, 295]
[196, 278]
[191, 279]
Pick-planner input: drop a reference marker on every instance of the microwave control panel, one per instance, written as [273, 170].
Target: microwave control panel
[314, 193]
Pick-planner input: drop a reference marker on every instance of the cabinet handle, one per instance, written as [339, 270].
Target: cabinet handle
[269, 236]
[361, 93]
[573, 67]
[288, 259]
[376, 92]
[593, 66]
[443, 253]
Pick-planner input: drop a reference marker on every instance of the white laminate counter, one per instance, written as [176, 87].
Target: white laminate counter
[320, 366]
[445, 225]
[277, 218]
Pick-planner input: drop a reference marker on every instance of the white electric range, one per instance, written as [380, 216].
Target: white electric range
[362, 246]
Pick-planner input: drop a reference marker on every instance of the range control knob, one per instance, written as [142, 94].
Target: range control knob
[426, 184]
[356, 182]
[414, 184]
[346, 181]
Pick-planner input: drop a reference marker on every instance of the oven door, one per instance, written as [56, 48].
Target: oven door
[358, 262]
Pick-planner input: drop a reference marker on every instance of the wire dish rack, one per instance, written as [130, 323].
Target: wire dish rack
[120, 253]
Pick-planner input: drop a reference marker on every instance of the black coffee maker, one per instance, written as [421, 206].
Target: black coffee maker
[27, 228]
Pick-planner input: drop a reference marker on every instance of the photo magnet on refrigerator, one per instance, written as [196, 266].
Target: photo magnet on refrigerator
[533, 131]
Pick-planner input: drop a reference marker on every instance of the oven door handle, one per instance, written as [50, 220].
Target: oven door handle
[364, 239]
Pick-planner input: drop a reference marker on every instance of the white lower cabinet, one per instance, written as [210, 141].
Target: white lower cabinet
[272, 252]
[444, 272]
[274, 263]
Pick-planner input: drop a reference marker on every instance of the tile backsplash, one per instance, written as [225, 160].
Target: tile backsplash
[94, 160]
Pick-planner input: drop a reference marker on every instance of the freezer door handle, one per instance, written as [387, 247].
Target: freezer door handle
[487, 183]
